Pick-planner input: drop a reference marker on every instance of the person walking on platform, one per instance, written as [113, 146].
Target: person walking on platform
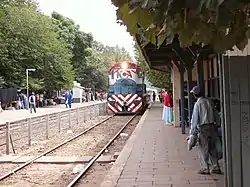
[25, 101]
[70, 98]
[203, 125]
[167, 109]
[32, 102]
[66, 99]
[154, 96]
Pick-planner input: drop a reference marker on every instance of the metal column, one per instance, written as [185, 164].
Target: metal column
[189, 87]
[220, 59]
[200, 73]
[183, 127]
[227, 119]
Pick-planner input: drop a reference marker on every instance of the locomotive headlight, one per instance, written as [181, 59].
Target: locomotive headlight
[124, 65]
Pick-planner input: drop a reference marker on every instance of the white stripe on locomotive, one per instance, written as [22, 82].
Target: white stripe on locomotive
[112, 108]
[138, 107]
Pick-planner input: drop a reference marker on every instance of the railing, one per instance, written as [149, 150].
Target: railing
[22, 132]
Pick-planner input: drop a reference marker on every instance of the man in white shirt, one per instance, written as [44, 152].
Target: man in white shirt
[203, 125]
[32, 102]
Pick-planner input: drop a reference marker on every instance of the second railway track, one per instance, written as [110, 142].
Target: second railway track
[83, 144]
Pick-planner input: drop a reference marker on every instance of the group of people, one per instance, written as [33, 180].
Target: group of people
[94, 96]
[23, 102]
[88, 96]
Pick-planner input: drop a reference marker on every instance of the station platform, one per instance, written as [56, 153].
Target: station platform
[157, 155]
[13, 115]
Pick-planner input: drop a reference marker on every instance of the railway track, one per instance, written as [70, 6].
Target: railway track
[61, 145]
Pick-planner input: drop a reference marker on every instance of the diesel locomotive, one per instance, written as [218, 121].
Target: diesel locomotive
[127, 91]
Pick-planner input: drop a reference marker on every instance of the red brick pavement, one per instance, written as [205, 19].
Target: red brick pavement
[160, 158]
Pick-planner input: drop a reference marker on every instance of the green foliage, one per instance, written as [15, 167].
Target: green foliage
[1, 82]
[156, 78]
[111, 55]
[221, 24]
[55, 46]
[94, 74]
[91, 59]
[28, 40]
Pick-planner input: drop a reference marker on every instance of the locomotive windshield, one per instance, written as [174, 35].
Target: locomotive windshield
[125, 86]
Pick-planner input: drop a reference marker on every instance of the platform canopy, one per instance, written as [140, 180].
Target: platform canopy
[157, 58]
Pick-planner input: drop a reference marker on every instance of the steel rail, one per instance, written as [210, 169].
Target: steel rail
[79, 176]
[52, 149]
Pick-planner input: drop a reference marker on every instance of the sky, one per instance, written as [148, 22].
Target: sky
[94, 16]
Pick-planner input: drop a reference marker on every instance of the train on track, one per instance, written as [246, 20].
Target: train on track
[127, 92]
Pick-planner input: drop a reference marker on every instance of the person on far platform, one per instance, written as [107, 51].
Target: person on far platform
[70, 98]
[154, 96]
[66, 99]
[32, 102]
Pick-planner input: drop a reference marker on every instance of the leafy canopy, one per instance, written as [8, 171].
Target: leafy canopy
[220, 23]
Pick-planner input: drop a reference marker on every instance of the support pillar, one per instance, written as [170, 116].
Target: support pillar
[183, 127]
[200, 73]
[227, 120]
[220, 57]
[176, 95]
[189, 87]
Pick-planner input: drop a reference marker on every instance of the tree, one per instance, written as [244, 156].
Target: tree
[112, 55]
[91, 59]
[1, 82]
[95, 72]
[219, 24]
[76, 40]
[28, 40]
[156, 78]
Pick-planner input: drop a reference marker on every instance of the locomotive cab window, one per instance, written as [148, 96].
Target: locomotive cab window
[111, 90]
[140, 88]
[125, 86]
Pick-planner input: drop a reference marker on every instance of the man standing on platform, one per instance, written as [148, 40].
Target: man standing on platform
[66, 98]
[70, 98]
[154, 96]
[32, 102]
[203, 125]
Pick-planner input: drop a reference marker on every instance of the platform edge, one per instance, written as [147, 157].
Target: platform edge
[111, 179]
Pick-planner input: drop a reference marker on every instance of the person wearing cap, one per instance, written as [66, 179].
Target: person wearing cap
[203, 124]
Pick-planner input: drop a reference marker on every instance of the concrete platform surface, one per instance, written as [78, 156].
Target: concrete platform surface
[157, 155]
[13, 115]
